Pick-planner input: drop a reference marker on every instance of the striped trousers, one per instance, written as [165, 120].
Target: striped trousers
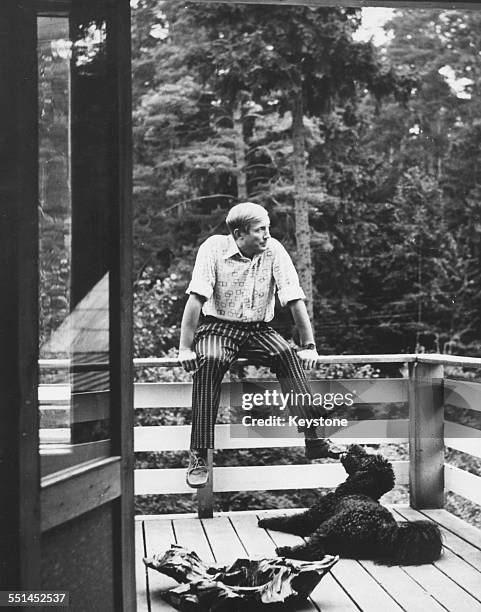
[218, 344]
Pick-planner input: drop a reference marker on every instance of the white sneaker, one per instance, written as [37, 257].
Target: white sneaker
[197, 473]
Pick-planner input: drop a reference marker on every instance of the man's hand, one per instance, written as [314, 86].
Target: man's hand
[187, 359]
[308, 358]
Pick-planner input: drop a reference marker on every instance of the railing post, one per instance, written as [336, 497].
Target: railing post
[205, 496]
[426, 435]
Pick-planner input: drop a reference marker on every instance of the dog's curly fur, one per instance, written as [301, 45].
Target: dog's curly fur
[351, 522]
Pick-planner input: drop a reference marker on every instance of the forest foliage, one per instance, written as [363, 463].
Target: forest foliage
[391, 138]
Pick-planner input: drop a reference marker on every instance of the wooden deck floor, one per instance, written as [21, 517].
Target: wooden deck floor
[453, 583]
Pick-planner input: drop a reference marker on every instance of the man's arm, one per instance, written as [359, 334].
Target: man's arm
[303, 324]
[302, 321]
[190, 319]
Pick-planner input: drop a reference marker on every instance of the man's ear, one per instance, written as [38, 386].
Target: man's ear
[236, 233]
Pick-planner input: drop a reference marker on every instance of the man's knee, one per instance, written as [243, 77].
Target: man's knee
[214, 360]
[285, 353]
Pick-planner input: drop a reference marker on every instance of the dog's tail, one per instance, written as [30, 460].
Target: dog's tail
[411, 543]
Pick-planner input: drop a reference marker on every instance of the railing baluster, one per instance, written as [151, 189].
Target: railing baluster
[426, 437]
[205, 496]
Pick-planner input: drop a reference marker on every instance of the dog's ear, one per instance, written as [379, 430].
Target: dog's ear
[382, 473]
[355, 449]
[373, 478]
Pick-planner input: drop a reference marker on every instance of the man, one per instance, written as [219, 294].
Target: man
[234, 281]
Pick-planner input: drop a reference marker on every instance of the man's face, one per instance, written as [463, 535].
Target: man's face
[254, 241]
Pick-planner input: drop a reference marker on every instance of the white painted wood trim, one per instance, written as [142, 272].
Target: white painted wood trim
[462, 394]
[164, 362]
[168, 362]
[254, 478]
[463, 483]
[365, 391]
[54, 394]
[462, 438]
[454, 360]
[177, 437]
[385, 358]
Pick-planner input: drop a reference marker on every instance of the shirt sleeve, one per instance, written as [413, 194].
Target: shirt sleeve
[285, 276]
[203, 274]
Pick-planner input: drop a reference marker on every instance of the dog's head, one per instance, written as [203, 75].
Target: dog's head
[369, 474]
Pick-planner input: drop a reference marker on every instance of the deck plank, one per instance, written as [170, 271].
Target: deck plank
[461, 573]
[159, 535]
[458, 570]
[460, 547]
[190, 534]
[223, 540]
[330, 596]
[440, 579]
[363, 589]
[448, 593]
[456, 525]
[255, 540]
[409, 595]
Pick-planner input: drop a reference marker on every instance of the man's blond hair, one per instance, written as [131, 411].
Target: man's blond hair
[242, 215]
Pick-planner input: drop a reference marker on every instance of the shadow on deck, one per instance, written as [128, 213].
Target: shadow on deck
[452, 583]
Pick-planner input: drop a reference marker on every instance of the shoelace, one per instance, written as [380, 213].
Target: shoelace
[197, 462]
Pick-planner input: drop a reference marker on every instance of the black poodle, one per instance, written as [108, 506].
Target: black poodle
[351, 522]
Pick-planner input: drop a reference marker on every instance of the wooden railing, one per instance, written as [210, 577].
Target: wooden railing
[425, 390]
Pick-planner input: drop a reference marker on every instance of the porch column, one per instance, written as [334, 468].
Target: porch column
[19, 462]
[426, 435]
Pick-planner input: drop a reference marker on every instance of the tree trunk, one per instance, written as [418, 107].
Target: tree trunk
[301, 209]
[239, 149]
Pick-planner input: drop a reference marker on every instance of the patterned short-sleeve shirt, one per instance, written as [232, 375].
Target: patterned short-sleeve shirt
[237, 288]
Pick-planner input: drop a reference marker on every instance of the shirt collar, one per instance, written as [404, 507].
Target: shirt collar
[232, 248]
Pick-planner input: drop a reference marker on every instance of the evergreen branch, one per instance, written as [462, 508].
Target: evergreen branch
[214, 195]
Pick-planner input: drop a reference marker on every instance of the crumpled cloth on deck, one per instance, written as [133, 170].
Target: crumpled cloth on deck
[245, 585]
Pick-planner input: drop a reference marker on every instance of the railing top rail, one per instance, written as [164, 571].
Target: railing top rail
[434, 358]
[165, 362]
[453, 360]
[169, 362]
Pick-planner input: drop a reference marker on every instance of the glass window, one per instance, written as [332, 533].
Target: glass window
[75, 124]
